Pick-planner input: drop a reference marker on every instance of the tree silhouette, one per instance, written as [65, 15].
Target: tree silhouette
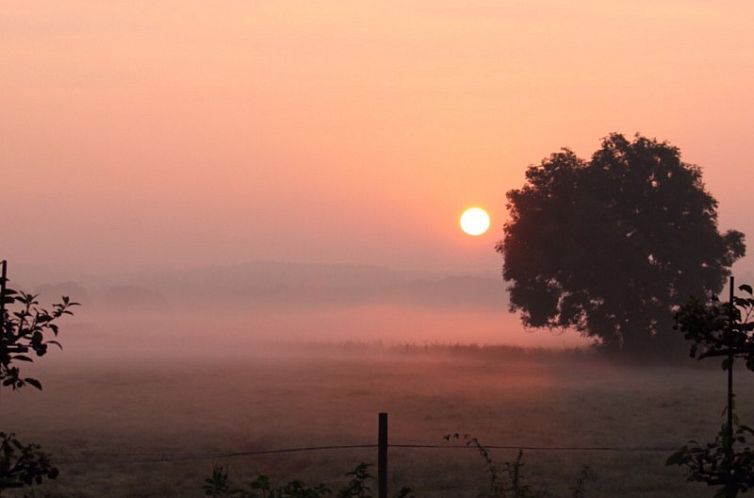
[613, 245]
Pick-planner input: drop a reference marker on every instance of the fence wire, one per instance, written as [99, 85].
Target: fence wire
[304, 449]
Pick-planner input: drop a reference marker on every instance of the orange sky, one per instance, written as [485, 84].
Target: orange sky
[179, 133]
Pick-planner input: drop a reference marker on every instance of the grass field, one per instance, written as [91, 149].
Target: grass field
[104, 420]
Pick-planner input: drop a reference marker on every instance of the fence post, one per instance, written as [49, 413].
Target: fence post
[730, 486]
[382, 455]
[3, 278]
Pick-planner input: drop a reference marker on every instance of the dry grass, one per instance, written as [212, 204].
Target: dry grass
[94, 414]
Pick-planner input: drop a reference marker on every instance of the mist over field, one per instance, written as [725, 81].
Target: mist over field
[140, 426]
[241, 308]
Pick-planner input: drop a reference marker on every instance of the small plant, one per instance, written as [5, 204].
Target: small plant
[297, 489]
[22, 464]
[262, 486]
[708, 463]
[578, 489]
[512, 483]
[357, 487]
[219, 485]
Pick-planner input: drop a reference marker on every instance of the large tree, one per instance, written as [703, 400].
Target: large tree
[613, 245]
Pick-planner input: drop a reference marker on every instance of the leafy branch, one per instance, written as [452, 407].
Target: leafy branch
[720, 330]
[25, 332]
[707, 463]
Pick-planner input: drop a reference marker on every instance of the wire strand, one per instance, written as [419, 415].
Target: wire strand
[303, 449]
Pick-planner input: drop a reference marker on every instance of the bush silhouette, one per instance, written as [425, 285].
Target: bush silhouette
[27, 330]
[718, 330]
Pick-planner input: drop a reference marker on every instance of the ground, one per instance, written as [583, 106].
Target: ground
[106, 421]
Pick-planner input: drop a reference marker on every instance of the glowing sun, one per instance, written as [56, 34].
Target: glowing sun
[475, 221]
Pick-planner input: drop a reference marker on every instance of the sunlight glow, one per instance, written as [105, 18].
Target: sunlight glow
[475, 221]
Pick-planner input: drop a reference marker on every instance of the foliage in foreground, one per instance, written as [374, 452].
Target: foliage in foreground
[716, 329]
[707, 462]
[508, 481]
[219, 485]
[25, 332]
[23, 464]
[724, 331]
[511, 481]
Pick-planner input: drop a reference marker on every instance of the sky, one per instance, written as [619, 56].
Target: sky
[150, 135]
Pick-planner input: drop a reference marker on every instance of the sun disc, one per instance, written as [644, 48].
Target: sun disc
[475, 221]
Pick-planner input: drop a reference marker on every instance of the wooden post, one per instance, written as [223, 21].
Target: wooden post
[3, 278]
[382, 455]
[730, 490]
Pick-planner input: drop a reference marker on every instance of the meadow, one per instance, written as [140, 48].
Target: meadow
[155, 426]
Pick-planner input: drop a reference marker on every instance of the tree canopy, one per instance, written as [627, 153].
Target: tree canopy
[612, 246]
